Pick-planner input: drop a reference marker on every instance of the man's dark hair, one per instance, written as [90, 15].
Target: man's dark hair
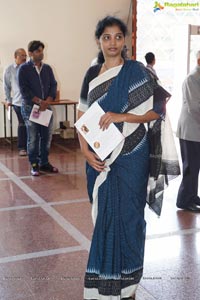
[34, 45]
[150, 57]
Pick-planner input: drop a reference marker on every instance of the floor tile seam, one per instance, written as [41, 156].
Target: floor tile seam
[43, 175]
[29, 289]
[68, 227]
[10, 158]
[38, 254]
[4, 179]
[19, 207]
[146, 295]
[21, 297]
[173, 233]
[24, 187]
[59, 219]
[52, 175]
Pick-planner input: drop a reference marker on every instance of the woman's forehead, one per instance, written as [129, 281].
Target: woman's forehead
[112, 30]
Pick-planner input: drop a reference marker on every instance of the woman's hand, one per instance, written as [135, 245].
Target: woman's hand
[109, 118]
[94, 161]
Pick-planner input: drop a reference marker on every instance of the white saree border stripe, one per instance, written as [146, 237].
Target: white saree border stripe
[129, 291]
[113, 72]
[128, 128]
[81, 106]
[168, 143]
[143, 107]
[125, 293]
[101, 178]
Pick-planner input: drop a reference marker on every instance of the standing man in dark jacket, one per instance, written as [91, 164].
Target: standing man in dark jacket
[38, 86]
[188, 133]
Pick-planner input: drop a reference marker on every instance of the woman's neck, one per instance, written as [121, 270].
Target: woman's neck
[112, 62]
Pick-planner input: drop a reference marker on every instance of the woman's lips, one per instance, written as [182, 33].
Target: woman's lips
[112, 49]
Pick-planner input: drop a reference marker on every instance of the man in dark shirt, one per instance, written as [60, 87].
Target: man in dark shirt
[151, 60]
[37, 86]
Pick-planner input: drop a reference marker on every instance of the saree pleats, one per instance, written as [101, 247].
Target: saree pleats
[117, 249]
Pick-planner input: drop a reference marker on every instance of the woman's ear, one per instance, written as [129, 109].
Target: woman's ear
[98, 44]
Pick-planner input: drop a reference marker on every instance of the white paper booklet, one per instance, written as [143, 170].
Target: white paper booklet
[40, 117]
[102, 142]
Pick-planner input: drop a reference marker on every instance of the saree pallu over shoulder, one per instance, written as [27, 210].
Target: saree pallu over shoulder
[119, 194]
[164, 163]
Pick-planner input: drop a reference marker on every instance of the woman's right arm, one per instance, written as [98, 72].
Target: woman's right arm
[92, 158]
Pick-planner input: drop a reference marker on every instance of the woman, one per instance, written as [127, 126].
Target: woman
[117, 187]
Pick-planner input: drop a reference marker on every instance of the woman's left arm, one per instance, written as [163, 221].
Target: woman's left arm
[110, 117]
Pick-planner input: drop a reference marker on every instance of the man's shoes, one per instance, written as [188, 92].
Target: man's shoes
[22, 152]
[35, 169]
[192, 207]
[48, 168]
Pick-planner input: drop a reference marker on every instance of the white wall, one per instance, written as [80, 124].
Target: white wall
[67, 29]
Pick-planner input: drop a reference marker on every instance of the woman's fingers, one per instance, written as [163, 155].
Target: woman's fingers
[95, 162]
[105, 121]
[109, 118]
[99, 168]
[98, 165]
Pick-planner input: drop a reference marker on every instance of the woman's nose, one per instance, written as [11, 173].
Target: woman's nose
[112, 40]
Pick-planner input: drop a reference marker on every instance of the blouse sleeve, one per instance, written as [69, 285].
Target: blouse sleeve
[160, 98]
[160, 95]
[91, 73]
[83, 105]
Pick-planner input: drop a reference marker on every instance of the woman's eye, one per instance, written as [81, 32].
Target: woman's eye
[106, 37]
[119, 37]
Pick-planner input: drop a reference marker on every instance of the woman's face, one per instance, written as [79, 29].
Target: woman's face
[112, 41]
